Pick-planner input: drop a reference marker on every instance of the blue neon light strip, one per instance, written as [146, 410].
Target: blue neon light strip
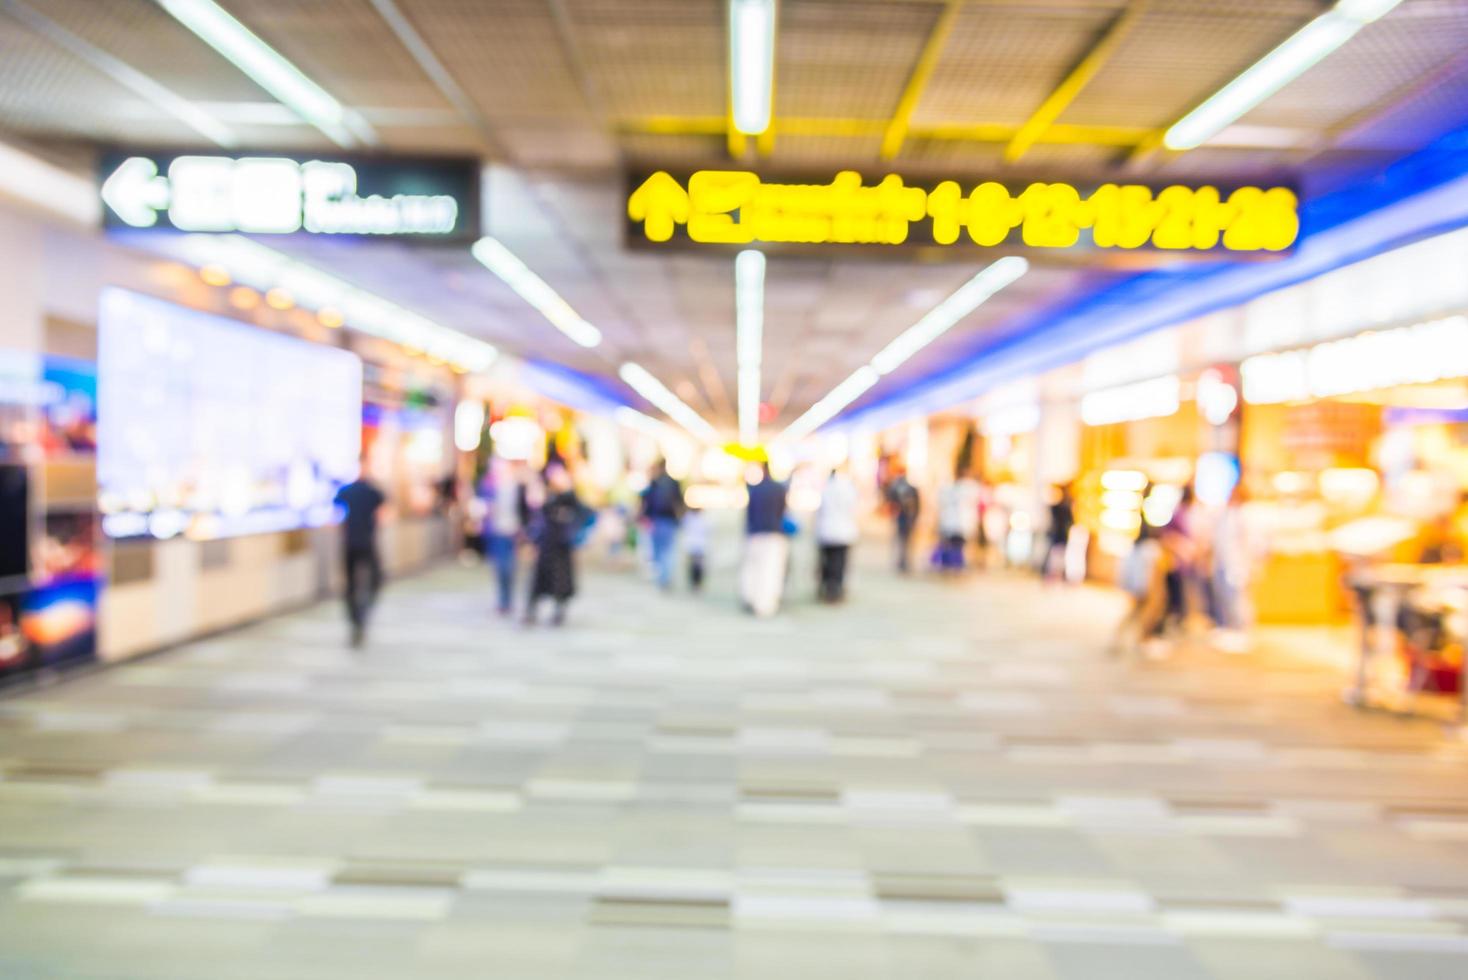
[1422, 195]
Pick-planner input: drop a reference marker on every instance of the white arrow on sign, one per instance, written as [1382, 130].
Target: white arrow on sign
[136, 192]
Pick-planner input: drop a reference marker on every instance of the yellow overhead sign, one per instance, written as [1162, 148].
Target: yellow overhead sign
[737, 207]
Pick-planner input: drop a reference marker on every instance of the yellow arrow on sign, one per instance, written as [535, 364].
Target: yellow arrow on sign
[659, 203]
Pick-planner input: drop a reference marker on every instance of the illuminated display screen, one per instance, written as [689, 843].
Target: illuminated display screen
[211, 428]
[738, 207]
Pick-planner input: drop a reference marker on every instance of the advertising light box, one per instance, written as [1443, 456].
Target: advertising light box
[210, 428]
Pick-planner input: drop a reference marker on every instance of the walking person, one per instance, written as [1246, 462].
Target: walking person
[958, 517]
[1057, 535]
[362, 500]
[905, 503]
[557, 529]
[695, 531]
[662, 509]
[766, 546]
[1144, 577]
[504, 523]
[1231, 558]
[836, 532]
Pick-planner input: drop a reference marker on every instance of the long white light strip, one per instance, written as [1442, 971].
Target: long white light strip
[642, 422]
[749, 300]
[641, 381]
[1306, 47]
[39, 184]
[270, 70]
[752, 63]
[941, 318]
[534, 290]
[827, 408]
[252, 264]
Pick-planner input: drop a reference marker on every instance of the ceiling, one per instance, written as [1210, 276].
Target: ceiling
[565, 96]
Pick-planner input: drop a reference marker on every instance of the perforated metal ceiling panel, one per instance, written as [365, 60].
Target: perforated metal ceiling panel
[142, 34]
[345, 46]
[654, 57]
[44, 90]
[1002, 60]
[846, 58]
[1381, 63]
[1180, 52]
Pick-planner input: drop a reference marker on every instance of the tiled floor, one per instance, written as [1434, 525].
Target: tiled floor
[938, 780]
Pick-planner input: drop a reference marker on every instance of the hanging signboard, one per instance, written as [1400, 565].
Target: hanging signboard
[268, 194]
[738, 207]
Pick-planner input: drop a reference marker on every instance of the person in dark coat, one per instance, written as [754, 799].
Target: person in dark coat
[360, 501]
[561, 520]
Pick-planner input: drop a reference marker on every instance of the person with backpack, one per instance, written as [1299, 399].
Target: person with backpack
[905, 504]
[662, 509]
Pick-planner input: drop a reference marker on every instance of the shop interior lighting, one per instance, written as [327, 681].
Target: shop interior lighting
[271, 71]
[964, 300]
[749, 297]
[262, 268]
[1303, 49]
[1152, 399]
[534, 290]
[39, 184]
[640, 380]
[752, 63]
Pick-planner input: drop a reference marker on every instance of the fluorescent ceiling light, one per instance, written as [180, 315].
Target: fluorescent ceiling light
[827, 408]
[633, 419]
[941, 318]
[1303, 49]
[749, 298]
[641, 381]
[34, 182]
[964, 300]
[251, 264]
[270, 70]
[752, 63]
[534, 290]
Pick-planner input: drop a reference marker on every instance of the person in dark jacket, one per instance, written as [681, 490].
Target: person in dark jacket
[361, 500]
[766, 544]
[662, 508]
[556, 531]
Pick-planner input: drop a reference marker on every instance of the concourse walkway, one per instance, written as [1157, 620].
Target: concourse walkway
[938, 780]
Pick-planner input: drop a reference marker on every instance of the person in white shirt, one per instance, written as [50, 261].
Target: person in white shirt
[836, 531]
[695, 532]
[958, 521]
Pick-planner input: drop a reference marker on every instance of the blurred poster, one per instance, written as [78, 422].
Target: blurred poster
[68, 417]
[59, 623]
[68, 551]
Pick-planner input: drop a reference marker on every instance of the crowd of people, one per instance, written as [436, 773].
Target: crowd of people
[1193, 565]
